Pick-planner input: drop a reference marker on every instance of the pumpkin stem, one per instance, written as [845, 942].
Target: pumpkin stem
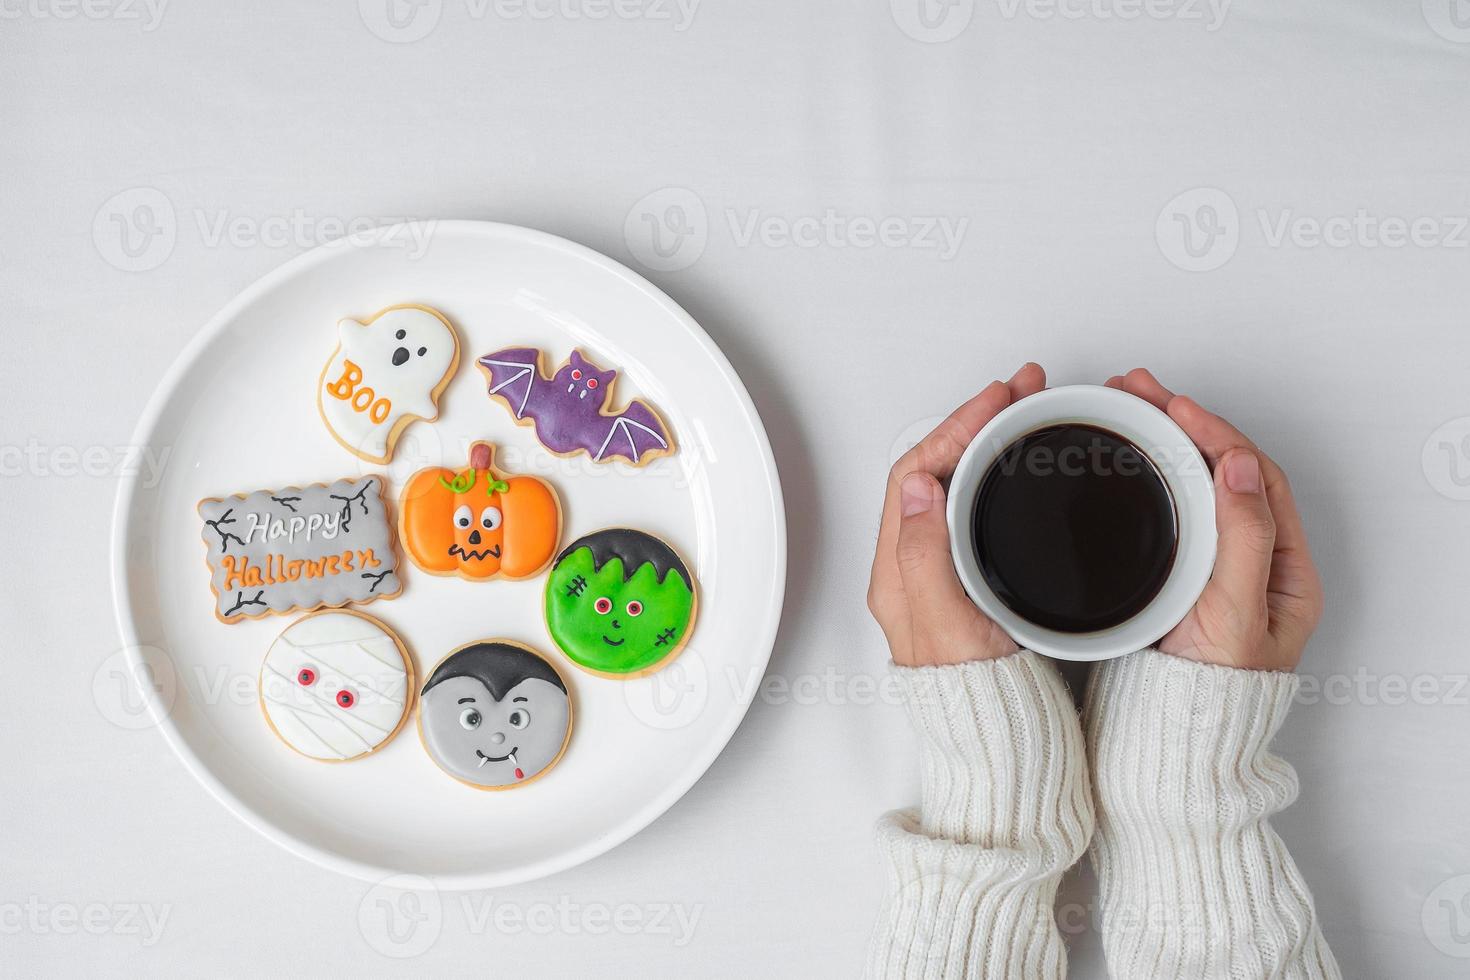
[480, 455]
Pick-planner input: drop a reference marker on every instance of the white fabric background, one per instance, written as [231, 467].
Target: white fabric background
[1057, 139]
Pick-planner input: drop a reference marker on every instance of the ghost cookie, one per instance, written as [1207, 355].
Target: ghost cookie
[620, 603]
[336, 685]
[386, 371]
[495, 715]
[573, 411]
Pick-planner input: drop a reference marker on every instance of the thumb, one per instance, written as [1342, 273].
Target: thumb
[1247, 537]
[937, 602]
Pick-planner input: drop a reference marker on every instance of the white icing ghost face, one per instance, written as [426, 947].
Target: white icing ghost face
[335, 685]
[495, 719]
[383, 373]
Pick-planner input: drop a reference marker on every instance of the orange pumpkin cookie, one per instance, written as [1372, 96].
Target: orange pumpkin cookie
[479, 524]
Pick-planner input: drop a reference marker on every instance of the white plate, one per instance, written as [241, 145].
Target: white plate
[638, 745]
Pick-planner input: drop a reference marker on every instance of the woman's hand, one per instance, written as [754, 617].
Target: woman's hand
[914, 593]
[1264, 598]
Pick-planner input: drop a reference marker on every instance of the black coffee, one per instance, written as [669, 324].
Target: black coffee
[1075, 529]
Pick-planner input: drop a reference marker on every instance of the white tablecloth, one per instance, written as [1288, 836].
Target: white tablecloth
[873, 209]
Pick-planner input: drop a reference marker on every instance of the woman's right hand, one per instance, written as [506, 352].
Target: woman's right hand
[1264, 598]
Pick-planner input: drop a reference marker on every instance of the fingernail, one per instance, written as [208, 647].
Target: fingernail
[916, 494]
[1243, 473]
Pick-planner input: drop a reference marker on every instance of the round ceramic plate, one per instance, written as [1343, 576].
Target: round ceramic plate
[237, 413]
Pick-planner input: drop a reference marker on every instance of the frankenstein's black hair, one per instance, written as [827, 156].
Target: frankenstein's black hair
[634, 549]
[499, 666]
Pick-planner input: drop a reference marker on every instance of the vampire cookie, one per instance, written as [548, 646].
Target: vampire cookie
[495, 715]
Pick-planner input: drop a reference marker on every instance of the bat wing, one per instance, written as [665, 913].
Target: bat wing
[635, 432]
[513, 372]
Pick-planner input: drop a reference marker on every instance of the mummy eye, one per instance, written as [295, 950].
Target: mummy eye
[635, 608]
[306, 677]
[576, 374]
[592, 382]
[345, 698]
[490, 518]
[603, 605]
[519, 718]
[463, 516]
[469, 719]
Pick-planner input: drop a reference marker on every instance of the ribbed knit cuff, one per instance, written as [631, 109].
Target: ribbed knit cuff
[1000, 751]
[1192, 880]
[1181, 742]
[1005, 810]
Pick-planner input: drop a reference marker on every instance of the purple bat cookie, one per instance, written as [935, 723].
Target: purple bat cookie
[572, 411]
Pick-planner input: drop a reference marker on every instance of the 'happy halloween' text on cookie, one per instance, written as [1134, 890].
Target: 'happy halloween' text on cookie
[573, 410]
[495, 715]
[301, 548]
[477, 523]
[386, 371]
[620, 602]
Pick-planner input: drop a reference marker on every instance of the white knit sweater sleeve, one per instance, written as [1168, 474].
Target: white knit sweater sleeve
[1193, 881]
[1005, 810]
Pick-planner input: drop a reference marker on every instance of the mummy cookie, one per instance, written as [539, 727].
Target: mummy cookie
[386, 371]
[573, 411]
[477, 523]
[301, 548]
[336, 685]
[620, 603]
[495, 715]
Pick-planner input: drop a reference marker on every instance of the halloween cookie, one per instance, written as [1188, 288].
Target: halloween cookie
[573, 411]
[336, 685]
[301, 548]
[495, 715]
[620, 603]
[479, 524]
[387, 371]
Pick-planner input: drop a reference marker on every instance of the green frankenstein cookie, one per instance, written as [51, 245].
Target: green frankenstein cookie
[620, 602]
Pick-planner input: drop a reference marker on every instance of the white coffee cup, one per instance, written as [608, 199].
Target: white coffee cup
[1177, 460]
